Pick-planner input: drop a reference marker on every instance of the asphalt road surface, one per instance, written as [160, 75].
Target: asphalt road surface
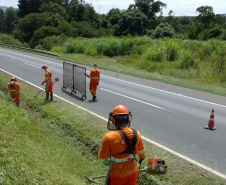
[171, 116]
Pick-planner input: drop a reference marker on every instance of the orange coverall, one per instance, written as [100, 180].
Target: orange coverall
[14, 88]
[48, 81]
[94, 80]
[124, 170]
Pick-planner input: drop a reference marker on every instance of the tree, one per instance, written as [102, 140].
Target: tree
[65, 28]
[28, 25]
[10, 19]
[54, 8]
[2, 22]
[206, 16]
[42, 33]
[194, 30]
[132, 22]
[149, 7]
[114, 16]
[28, 6]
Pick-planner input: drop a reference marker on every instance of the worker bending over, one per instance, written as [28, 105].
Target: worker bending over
[14, 89]
[94, 80]
[49, 83]
[121, 146]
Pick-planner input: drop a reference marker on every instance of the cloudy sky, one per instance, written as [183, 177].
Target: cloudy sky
[179, 7]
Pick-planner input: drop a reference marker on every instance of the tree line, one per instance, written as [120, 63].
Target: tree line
[49, 22]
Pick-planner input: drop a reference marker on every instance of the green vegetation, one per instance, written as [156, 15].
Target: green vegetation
[57, 143]
[199, 65]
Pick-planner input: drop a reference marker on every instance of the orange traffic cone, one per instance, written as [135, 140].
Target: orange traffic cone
[210, 125]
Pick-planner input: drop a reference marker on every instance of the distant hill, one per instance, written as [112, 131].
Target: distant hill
[4, 8]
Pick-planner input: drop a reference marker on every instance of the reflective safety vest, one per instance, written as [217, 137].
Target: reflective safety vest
[13, 87]
[48, 75]
[94, 76]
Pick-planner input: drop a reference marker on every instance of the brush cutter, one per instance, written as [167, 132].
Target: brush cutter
[55, 80]
[155, 166]
[92, 179]
[39, 93]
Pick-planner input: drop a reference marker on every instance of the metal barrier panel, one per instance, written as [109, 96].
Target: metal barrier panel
[74, 78]
[68, 75]
[80, 79]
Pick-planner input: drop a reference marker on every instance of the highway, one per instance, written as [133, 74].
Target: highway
[171, 116]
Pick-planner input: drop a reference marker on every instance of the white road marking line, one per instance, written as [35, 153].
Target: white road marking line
[146, 139]
[136, 100]
[167, 92]
[32, 65]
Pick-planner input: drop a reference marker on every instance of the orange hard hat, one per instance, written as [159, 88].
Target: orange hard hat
[44, 66]
[13, 79]
[120, 112]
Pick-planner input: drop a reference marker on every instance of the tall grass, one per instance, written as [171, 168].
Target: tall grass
[193, 56]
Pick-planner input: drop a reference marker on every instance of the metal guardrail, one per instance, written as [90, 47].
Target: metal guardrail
[35, 50]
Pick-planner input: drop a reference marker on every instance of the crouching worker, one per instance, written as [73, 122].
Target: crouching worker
[14, 89]
[121, 146]
[49, 83]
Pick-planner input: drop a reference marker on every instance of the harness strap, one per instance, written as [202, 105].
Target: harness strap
[130, 147]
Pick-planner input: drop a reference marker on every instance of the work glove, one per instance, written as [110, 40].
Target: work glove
[42, 83]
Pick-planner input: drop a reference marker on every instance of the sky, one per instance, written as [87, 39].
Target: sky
[179, 7]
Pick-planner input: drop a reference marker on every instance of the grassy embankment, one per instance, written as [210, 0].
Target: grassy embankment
[57, 143]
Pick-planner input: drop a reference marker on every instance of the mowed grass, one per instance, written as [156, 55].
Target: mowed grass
[57, 143]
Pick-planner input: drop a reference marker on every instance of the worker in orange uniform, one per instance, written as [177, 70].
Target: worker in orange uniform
[14, 89]
[121, 146]
[49, 83]
[94, 80]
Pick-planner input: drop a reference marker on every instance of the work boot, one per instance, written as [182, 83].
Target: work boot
[94, 97]
[47, 96]
[51, 96]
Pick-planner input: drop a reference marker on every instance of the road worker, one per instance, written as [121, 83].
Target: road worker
[49, 83]
[94, 80]
[121, 146]
[14, 89]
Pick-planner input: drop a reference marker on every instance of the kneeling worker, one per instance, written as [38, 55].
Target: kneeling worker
[121, 146]
[14, 89]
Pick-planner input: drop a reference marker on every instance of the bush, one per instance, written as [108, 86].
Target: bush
[52, 41]
[104, 33]
[171, 51]
[187, 60]
[154, 54]
[74, 46]
[7, 39]
[163, 30]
